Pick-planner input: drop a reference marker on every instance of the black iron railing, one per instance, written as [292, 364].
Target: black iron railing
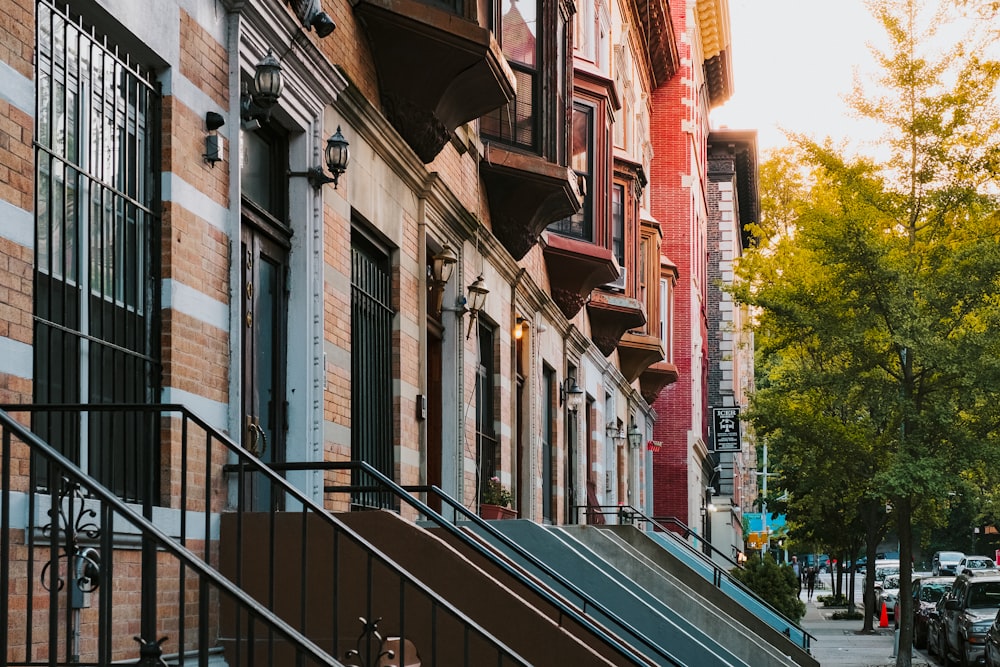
[632, 646]
[72, 583]
[289, 574]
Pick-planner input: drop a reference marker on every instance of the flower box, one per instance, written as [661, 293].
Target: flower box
[487, 511]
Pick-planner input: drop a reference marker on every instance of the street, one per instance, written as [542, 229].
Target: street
[838, 643]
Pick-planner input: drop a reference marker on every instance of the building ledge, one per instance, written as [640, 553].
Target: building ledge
[655, 378]
[638, 351]
[526, 193]
[575, 268]
[611, 315]
[436, 70]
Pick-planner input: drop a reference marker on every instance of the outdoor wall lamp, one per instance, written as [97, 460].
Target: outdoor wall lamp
[267, 83]
[520, 324]
[441, 268]
[570, 394]
[634, 436]
[616, 433]
[336, 155]
[215, 143]
[477, 299]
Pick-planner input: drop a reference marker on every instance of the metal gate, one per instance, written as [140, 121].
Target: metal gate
[96, 269]
[371, 366]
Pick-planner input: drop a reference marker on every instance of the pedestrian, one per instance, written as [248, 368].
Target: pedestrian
[810, 582]
[798, 573]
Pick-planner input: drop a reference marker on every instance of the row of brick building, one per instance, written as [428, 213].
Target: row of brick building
[453, 240]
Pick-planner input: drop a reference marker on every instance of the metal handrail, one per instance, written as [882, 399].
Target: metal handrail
[718, 572]
[385, 484]
[149, 531]
[245, 462]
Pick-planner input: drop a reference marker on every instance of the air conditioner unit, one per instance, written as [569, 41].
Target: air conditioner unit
[619, 282]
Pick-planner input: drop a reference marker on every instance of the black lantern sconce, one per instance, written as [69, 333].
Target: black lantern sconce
[570, 394]
[441, 267]
[471, 304]
[336, 155]
[477, 299]
[634, 436]
[256, 104]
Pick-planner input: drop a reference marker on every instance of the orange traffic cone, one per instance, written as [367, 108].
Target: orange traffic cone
[883, 619]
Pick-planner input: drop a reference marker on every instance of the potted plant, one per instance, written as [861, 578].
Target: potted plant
[496, 501]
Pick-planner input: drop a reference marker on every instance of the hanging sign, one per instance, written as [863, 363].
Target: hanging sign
[726, 422]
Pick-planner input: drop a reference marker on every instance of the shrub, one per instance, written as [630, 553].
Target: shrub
[832, 600]
[776, 584]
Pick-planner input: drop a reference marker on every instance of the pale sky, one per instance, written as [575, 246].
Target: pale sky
[793, 62]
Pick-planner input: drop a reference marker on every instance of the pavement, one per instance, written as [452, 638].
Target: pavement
[841, 643]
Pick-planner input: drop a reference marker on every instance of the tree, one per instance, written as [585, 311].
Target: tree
[878, 307]
[776, 584]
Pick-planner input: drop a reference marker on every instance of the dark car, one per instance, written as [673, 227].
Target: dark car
[969, 611]
[927, 591]
[992, 647]
[936, 644]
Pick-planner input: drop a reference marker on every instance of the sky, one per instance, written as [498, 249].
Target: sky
[793, 62]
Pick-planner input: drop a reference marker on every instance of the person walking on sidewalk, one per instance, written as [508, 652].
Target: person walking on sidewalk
[798, 573]
[810, 582]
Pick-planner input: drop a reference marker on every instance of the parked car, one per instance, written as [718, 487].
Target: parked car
[883, 569]
[991, 648]
[946, 562]
[935, 628]
[927, 591]
[969, 612]
[971, 563]
[888, 595]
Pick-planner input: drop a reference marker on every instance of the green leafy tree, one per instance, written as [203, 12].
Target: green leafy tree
[776, 584]
[878, 302]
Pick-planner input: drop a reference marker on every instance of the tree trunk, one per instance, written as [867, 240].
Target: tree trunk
[904, 510]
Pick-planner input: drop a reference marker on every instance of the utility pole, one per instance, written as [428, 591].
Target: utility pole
[763, 502]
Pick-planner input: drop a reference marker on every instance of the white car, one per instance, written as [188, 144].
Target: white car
[946, 562]
[970, 564]
[888, 596]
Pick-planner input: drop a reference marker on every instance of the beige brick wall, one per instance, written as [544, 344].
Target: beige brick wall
[204, 62]
[17, 35]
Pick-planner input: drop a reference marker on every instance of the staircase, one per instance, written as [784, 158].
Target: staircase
[94, 580]
[226, 562]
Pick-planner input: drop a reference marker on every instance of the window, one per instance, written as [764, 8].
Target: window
[96, 272]
[534, 37]
[667, 282]
[618, 223]
[585, 29]
[581, 224]
[549, 453]
[487, 445]
[517, 123]
[372, 369]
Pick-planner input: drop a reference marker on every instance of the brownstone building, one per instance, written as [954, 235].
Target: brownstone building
[289, 289]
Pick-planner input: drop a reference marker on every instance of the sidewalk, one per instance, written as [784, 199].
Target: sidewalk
[840, 644]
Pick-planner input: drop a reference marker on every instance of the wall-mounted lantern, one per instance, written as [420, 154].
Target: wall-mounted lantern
[256, 104]
[441, 268]
[570, 394]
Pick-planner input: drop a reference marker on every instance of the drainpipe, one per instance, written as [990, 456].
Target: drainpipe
[515, 425]
[422, 308]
